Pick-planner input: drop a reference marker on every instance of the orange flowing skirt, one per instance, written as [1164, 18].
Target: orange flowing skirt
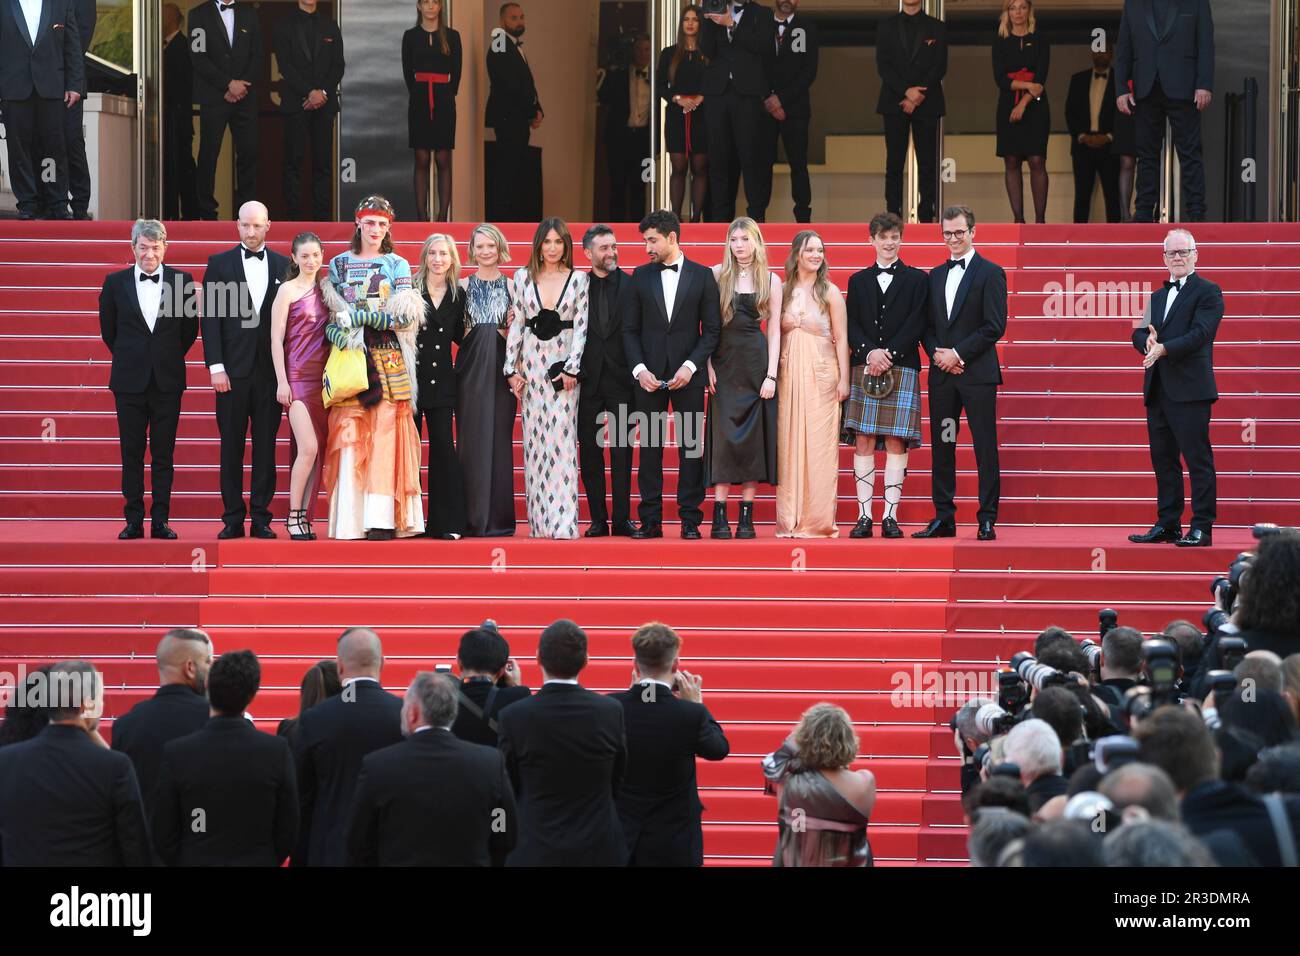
[385, 455]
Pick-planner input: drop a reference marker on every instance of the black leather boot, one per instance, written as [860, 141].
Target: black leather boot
[721, 529]
[745, 526]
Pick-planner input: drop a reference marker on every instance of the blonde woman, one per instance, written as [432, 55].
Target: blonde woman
[1020, 60]
[436, 275]
[824, 806]
[485, 406]
[812, 382]
[740, 436]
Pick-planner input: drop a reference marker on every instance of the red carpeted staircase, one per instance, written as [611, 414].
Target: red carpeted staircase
[772, 625]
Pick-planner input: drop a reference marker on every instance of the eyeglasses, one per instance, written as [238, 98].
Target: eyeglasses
[954, 233]
[1179, 253]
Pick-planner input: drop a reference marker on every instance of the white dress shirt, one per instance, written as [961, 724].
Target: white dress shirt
[228, 18]
[669, 279]
[955, 275]
[638, 98]
[256, 274]
[1096, 96]
[884, 278]
[1173, 293]
[32, 14]
[560, 680]
[149, 295]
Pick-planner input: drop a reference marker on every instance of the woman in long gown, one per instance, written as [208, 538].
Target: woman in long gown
[485, 405]
[543, 361]
[812, 383]
[740, 435]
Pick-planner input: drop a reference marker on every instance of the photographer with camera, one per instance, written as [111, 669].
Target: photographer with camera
[972, 731]
[489, 683]
[1035, 750]
[1121, 664]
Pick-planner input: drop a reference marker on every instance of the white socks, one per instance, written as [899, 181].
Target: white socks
[895, 471]
[864, 474]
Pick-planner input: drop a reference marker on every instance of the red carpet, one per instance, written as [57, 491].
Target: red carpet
[773, 626]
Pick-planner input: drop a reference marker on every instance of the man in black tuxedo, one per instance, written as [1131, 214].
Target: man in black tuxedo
[65, 800]
[309, 50]
[74, 129]
[566, 754]
[1090, 116]
[1179, 392]
[668, 727]
[1166, 48]
[148, 318]
[912, 58]
[333, 738]
[489, 682]
[671, 325]
[239, 781]
[226, 51]
[180, 201]
[789, 106]
[739, 44]
[968, 315]
[42, 76]
[513, 111]
[606, 388]
[239, 288]
[433, 799]
[625, 93]
[178, 708]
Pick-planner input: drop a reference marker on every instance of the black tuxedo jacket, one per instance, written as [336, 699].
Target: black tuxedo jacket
[47, 65]
[307, 65]
[615, 96]
[66, 801]
[979, 319]
[604, 358]
[143, 731]
[1187, 372]
[907, 309]
[333, 738]
[138, 353]
[794, 66]
[442, 327]
[659, 803]
[432, 800]
[744, 61]
[512, 96]
[649, 339]
[480, 730]
[219, 62]
[901, 67]
[1217, 806]
[1179, 52]
[1078, 108]
[87, 17]
[243, 781]
[239, 338]
[566, 753]
[178, 76]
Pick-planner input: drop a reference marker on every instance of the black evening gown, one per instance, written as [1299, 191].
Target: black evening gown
[687, 81]
[1012, 54]
[431, 125]
[740, 439]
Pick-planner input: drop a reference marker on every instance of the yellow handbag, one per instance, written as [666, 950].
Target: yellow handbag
[345, 375]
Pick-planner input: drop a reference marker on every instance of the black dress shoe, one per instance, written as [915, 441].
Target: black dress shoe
[889, 528]
[26, 216]
[381, 534]
[690, 531]
[262, 531]
[862, 529]
[937, 529]
[230, 531]
[163, 531]
[1196, 538]
[986, 532]
[648, 530]
[59, 216]
[624, 529]
[597, 530]
[1157, 535]
[131, 532]
[82, 215]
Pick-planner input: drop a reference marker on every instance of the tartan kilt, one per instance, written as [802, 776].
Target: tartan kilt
[897, 415]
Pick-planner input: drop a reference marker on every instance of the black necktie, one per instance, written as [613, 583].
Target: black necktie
[156, 277]
[665, 267]
[259, 254]
[1176, 285]
[602, 308]
[957, 262]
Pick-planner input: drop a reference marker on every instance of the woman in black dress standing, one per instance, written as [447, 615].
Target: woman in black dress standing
[431, 65]
[443, 324]
[680, 78]
[1125, 147]
[1020, 60]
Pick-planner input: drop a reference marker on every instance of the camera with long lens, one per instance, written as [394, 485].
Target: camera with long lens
[1160, 664]
[1013, 695]
[1263, 530]
[1093, 651]
[1226, 589]
[1036, 675]
[993, 720]
[1137, 702]
[1115, 751]
[1222, 684]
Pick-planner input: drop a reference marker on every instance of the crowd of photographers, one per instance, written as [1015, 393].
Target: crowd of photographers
[1179, 749]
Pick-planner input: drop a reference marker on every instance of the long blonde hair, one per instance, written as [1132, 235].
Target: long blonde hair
[421, 278]
[493, 233]
[729, 274]
[821, 285]
[1004, 22]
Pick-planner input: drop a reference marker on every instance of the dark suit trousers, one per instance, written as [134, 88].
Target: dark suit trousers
[627, 150]
[249, 405]
[74, 138]
[446, 481]
[947, 400]
[1185, 122]
[591, 456]
[241, 117]
[794, 134]
[687, 405]
[34, 135]
[316, 127]
[511, 162]
[1181, 428]
[179, 197]
[735, 125]
[1089, 163]
[147, 418]
[925, 136]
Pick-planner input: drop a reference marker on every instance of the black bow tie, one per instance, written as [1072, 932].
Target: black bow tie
[1176, 285]
[156, 277]
[1100, 76]
[957, 262]
[665, 267]
[643, 73]
[223, 7]
[259, 254]
[888, 270]
[737, 7]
